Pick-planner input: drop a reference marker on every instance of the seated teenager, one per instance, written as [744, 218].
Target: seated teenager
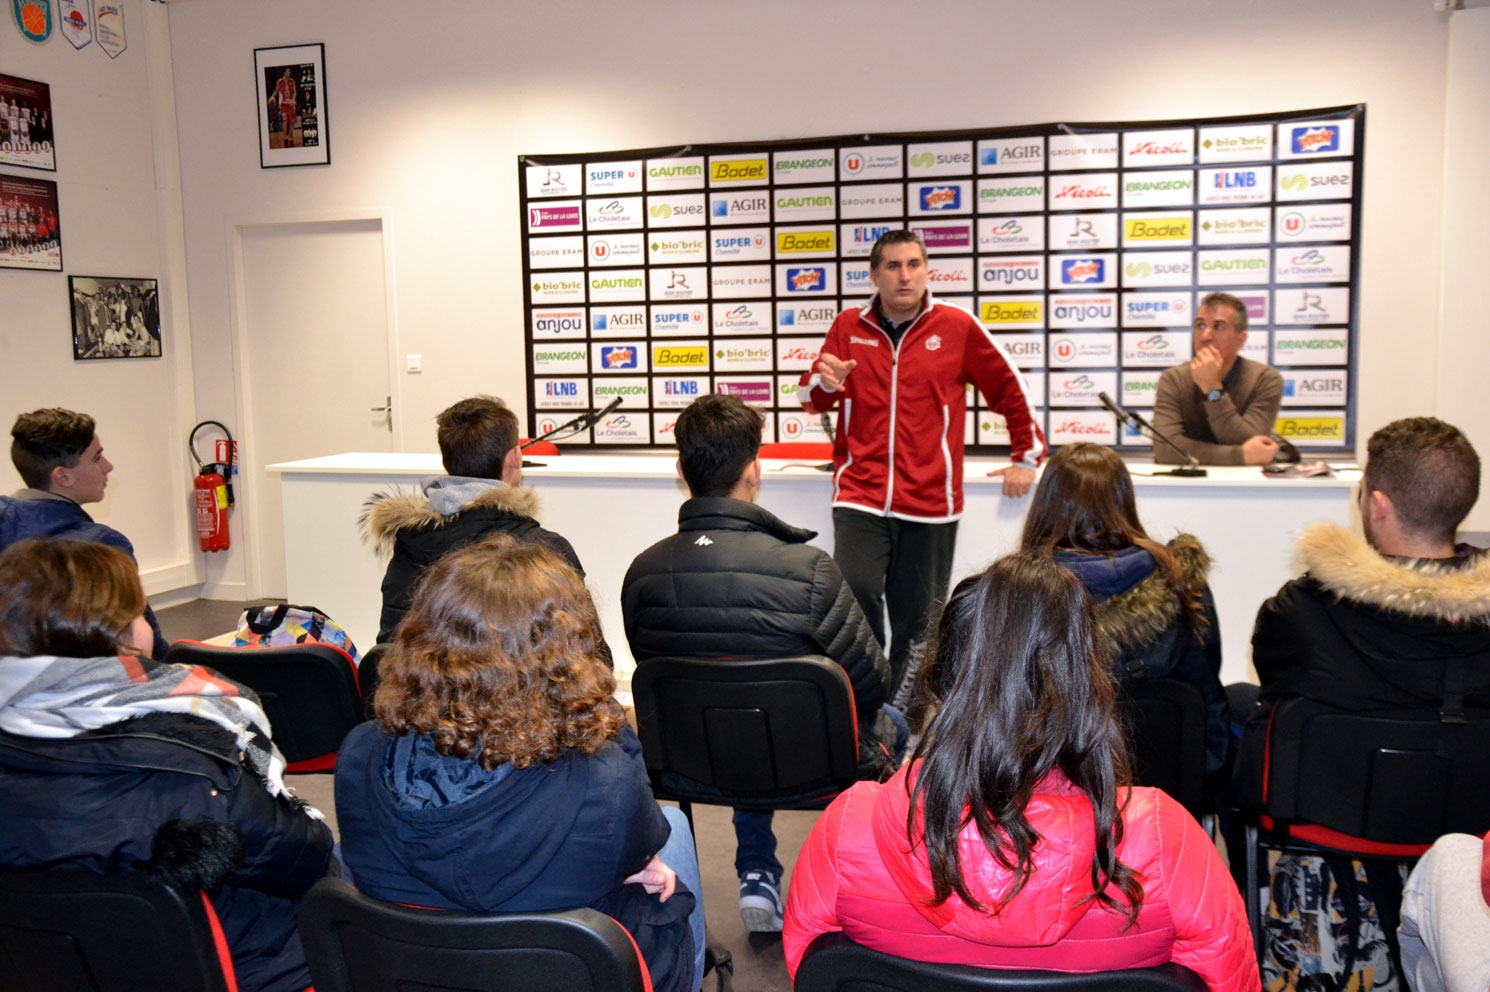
[1155, 614]
[1010, 840]
[501, 775]
[109, 760]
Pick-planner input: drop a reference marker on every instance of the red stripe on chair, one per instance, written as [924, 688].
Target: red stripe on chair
[220, 941]
[324, 763]
[1313, 833]
[646, 975]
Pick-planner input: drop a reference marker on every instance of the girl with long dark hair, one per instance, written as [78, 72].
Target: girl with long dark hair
[1012, 840]
[1155, 614]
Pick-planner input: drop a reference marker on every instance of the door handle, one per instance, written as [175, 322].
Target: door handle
[387, 408]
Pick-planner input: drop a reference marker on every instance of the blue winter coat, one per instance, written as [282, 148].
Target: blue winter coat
[22, 517]
[424, 829]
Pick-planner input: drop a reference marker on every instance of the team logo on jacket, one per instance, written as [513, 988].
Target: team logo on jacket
[934, 342]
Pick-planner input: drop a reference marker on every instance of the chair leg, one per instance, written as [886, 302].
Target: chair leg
[1251, 894]
[1211, 825]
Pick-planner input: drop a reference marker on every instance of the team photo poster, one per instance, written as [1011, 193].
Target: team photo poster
[657, 275]
[30, 237]
[26, 124]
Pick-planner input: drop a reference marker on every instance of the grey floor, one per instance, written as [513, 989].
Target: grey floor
[759, 965]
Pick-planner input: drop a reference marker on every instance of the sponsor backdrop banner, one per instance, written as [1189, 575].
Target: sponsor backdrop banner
[658, 275]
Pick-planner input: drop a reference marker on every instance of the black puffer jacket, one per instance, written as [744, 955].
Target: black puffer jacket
[737, 582]
[1361, 631]
[169, 793]
[412, 527]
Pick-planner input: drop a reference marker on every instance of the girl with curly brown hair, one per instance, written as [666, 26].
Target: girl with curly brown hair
[501, 775]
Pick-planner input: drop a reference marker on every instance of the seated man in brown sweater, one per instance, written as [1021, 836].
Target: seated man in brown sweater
[1219, 406]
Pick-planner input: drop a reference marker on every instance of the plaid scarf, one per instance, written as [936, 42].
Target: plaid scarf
[63, 697]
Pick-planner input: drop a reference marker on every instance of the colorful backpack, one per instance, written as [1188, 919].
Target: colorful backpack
[272, 625]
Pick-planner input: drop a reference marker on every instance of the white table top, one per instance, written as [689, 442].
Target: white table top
[652, 466]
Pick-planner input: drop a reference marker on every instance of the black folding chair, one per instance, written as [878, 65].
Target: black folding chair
[69, 929]
[761, 735]
[309, 693]
[834, 963]
[357, 944]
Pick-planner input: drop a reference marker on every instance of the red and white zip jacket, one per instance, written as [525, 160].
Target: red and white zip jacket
[897, 449]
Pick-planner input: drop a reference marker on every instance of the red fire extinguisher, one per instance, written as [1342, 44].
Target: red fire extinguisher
[212, 490]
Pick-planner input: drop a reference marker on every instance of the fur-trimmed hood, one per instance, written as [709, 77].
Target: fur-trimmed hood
[1344, 564]
[1138, 616]
[386, 513]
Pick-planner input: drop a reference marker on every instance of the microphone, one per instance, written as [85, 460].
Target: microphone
[1190, 469]
[1123, 416]
[595, 416]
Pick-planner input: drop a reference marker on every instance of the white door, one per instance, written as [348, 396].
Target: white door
[316, 351]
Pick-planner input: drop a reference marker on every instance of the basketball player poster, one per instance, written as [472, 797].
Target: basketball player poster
[291, 93]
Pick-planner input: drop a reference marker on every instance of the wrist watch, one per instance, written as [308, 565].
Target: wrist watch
[1214, 396]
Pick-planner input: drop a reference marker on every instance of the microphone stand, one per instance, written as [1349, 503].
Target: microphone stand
[569, 428]
[1189, 470]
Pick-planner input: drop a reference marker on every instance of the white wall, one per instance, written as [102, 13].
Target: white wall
[431, 103]
[1464, 355]
[119, 216]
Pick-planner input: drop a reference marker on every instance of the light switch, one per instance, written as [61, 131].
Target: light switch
[415, 363]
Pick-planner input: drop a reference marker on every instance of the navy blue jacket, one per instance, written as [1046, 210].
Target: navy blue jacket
[1145, 633]
[168, 793]
[61, 518]
[424, 829]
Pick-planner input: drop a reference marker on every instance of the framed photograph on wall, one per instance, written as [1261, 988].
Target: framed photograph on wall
[114, 318]
[30, 237]
[290, 88]
[26, 124]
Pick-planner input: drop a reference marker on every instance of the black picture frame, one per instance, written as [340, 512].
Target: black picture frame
[114, 317]
[290, 91]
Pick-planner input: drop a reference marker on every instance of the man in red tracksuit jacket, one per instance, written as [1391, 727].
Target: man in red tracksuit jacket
[897, 370]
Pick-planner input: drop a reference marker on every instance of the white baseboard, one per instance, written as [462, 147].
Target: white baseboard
[159, 583]
[235, 591]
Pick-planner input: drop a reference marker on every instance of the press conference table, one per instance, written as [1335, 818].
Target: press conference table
[611, 507]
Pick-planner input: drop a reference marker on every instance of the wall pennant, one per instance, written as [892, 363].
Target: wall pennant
[108, 25]
[33, 18]
[76, 21]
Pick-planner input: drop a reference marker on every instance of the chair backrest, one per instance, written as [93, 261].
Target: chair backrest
[356, 943]
[771, 734]
[69, 929]
[309, 692]
[834, 963]
[1393, 778]
[1165, 720]
[804, 450]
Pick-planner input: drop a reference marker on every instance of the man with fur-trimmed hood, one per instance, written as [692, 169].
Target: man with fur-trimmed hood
[1399, 620]
[482, 495]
